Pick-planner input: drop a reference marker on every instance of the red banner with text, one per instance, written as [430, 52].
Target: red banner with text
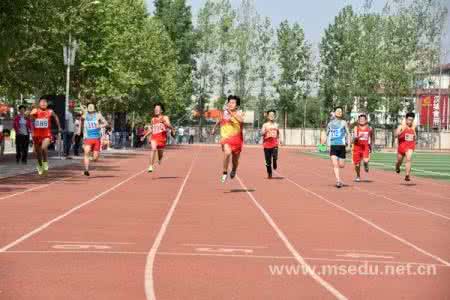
[434, 110]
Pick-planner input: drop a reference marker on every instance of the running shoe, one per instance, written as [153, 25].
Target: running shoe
[397, 169]
[150, 169]
[275, 164]
[224, 177]
[269, 176]
[366, 167]
[339, 184]
[45, 167]
[407, 178]
[40, 169]
[232, 174]
[358, 179]
[86, 173]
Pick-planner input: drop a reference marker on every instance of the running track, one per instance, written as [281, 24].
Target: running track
[180, 234]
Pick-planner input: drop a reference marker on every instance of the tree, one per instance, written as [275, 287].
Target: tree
[296, 69]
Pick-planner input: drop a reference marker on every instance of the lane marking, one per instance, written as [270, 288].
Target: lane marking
[95, 243]
[60, 217]
[148, 277]
[77, 246]
[35, 188]
[231, 246]
[223, 250]
[356, 251]
[363, 255]
[402, 203]
[290, 247]
[370, 223]
[219, 255]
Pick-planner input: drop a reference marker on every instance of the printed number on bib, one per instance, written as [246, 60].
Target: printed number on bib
[158, 128]
[335, 133]
[363, 136]
[91, 125]
[41, 123]
[272, 133]
[409, 137]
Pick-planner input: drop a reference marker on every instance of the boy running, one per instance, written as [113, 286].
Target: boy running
[406, 134]
[92, 124]
[231, 123]
[158, 131]
[41, 119]
[271, 134]
[338, 137]
[362, 140]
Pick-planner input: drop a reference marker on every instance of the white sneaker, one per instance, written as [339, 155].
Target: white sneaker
[224, 177]
[357, 179]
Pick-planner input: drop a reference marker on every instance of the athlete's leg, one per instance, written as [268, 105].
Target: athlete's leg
[95, 155]
[160, 155]
[87, 151]
[275, 158]
[358, 170]
[226, 157]
[38, 151]
[400, 157]
[336, 166]
[408, 155]
[44, 147]
[268, 153]
[153, 149]
[234, 163]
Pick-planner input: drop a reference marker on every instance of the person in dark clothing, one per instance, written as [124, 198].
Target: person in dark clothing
[22, 126]
[78, 136]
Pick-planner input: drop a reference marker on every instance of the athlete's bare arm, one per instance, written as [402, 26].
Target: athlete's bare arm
[347, 131]
[263, 129]
[399, 130]
[102, 121]
[237, 115]
[213, 131]
[58, 124]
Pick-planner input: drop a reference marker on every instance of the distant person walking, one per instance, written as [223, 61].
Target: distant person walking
[180, 135]
[77, 135]
[22, 127]
[68, 134]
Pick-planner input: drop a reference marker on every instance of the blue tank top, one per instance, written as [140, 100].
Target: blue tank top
[91, 128]
[337, 133]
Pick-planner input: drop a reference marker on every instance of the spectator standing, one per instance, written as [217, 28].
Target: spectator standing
[191, 135]
[22, 128]
[180, 135]
[78, 135]
[68, 134]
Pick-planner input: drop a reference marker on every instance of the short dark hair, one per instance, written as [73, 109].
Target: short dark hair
[43, 98]
[410, 115]
[338, 107]
[271, 110]
[234, 97]
[22, 106]
[160, 105]
[362, 116]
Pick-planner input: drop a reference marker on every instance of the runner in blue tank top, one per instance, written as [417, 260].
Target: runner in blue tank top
[92, 124]
[338, 138]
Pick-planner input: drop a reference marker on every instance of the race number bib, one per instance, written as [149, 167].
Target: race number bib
[91, 125]
[409, 137]
[364, 136]
[272, 133]
[158, 128]
[41, 123]
[335, 133]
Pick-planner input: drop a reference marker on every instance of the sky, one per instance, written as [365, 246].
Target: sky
[314, 15]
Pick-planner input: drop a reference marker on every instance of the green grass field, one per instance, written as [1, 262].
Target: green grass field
[424, 164]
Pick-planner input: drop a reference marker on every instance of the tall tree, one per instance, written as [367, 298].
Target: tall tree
[296, 69]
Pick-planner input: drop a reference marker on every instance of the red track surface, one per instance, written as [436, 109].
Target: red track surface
[180, 234]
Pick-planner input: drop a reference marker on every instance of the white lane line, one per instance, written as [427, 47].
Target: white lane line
[142, 253]
[230, 246]
[301, 260]
[86, 243]
[149, 280]
[356, 250]
[370, 223]
[45, 225]
[35, 188]
[402, 203]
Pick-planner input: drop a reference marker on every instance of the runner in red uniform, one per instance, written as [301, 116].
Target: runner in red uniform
[406, 134]
[231, 123]
[271, 134]
[42, 133]
[362, 142]
[158, 131]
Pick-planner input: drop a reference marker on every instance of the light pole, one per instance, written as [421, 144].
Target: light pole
[69, 60]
